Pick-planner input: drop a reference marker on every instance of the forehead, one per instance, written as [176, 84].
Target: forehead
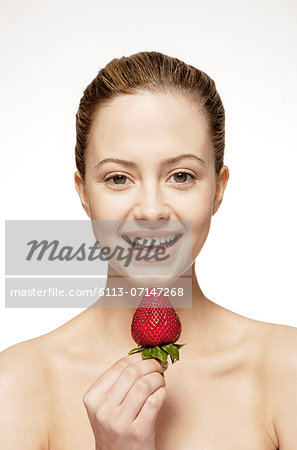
[149, 122]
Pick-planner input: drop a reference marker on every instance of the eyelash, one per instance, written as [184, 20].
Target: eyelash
[179, 171]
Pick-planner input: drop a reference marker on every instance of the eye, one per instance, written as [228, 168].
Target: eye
[119, 179]
[181, 176]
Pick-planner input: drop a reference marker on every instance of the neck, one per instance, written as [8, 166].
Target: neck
[113, 323]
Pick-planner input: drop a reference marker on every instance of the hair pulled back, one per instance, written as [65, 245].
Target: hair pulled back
[154, 72]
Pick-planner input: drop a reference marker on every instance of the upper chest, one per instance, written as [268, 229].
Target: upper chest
[209, 411]
[208, 407]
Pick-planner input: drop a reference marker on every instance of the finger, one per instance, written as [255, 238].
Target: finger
[149, 412]
[104, 382]
[138, 394]
[126, 379]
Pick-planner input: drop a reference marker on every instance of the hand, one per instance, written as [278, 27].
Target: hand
[124, 402]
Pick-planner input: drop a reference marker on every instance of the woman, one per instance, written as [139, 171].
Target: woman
[75, 387]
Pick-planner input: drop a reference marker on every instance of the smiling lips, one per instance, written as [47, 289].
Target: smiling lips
[152, 242]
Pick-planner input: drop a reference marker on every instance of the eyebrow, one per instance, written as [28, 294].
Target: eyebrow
[162, 164]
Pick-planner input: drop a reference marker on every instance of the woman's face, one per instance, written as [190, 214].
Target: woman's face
[156, 136]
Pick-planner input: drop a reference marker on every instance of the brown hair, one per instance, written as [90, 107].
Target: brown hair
[156, 73]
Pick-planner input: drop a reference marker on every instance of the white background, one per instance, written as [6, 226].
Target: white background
[50, 51]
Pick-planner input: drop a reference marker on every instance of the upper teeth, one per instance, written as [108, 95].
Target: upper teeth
[149, 241]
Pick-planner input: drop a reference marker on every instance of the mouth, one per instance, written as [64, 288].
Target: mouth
[139, 242]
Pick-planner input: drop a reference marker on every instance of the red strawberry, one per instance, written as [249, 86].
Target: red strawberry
[155, 321]
[155, 327]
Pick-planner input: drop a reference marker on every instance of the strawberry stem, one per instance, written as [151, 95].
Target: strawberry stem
[159, 352]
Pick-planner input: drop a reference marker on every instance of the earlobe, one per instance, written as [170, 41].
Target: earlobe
[80, 188]
[221, 184]
[216, 204]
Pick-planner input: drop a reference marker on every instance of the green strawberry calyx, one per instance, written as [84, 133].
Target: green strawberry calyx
[160, 352]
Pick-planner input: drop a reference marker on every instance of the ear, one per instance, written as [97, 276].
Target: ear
[221, 183]
[81, 190]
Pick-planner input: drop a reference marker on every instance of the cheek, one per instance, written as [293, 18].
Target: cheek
[197, 208]
[103, 210]
[201, 215]
[200, 230]
[102, 205]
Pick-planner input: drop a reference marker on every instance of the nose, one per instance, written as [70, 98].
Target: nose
[150, 204]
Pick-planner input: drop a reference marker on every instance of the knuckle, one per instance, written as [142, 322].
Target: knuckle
[87, 399]
[140, 435]
[157, 397]
[159, 377]
[142, 385]
[121, 364]
[157, 364]
[99, 417]
[153, 400]
[163, 393]
[131, 371]
[117, 427]
[113, 428]
[103, 414]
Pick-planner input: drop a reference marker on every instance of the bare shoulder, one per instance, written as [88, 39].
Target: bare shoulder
[278, 348]
[32, 349]
[281, 379]
[271, 351]
[274, 344]
[277, 374]
[24, 396]
[279, 345]
[282, 341]
[272, 339]
[29, 373]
